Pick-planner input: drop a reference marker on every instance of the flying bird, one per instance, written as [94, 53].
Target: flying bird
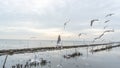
[92, 21]
[81, 34]
[66, 23]
[103, 34]
[98, 37]
[109, 14]
[106, 21]
[109, 31]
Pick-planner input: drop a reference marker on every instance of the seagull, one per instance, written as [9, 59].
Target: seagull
[66, 23]
[109, 31]
[103, 34]
[92, 21]
[81, 34]
[109, 14]
[106, 21]
[98, 37]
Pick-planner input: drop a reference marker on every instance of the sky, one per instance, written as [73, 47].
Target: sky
[44, 19]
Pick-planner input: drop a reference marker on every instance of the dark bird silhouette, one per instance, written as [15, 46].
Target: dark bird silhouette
[103, 34]
[106, 21]
[92, 21]
[66, 23]
[81, 34]
[109, 31]
[109, 14]
[100, 36]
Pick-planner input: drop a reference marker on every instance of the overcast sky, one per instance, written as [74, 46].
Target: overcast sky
[44, 19]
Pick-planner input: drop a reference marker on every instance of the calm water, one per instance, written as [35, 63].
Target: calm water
[103, 59]
[14, 44]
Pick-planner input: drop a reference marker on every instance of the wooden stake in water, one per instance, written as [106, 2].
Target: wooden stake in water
[5, 61]
[59, 41]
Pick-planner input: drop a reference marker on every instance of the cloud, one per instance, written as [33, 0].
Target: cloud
[45, 18]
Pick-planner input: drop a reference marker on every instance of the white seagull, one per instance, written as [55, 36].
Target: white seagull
[103, 34]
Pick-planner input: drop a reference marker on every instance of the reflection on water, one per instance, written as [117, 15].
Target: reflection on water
[54, 59]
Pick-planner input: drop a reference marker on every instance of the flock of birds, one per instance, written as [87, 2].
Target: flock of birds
[42, 61]
[91, 24]
[106, 31]
[94, 20]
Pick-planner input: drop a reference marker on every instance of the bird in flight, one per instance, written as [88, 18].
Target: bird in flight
[106, 21]
[103, 34]
[81, 34]
[109, 31]
[100, 36]
[109, 14]
[92, 21]
[66, 23]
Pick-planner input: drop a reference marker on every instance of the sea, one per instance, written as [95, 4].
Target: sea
[109, 58]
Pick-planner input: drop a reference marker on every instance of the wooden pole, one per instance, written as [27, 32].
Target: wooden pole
[5, 61]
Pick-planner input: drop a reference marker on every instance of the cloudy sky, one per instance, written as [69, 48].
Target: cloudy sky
[44, 19]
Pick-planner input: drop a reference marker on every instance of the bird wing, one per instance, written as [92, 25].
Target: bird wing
[109, 14]
[66, 23]
[91, 22]
[101, 35]
[106, 21]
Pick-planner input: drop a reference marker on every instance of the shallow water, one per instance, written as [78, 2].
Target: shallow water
[103, 59]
